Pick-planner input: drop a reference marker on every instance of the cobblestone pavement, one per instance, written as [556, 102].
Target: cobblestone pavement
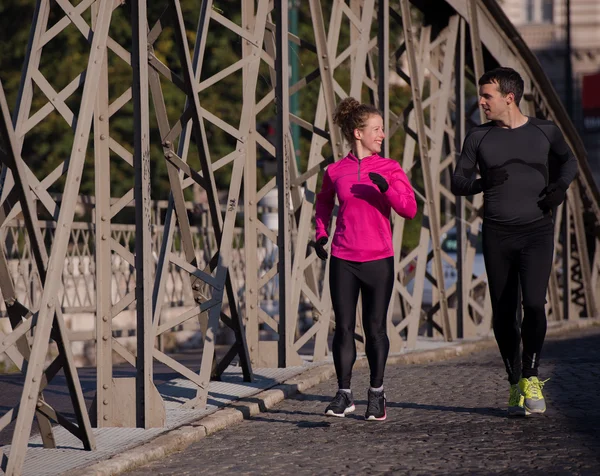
[443, 418]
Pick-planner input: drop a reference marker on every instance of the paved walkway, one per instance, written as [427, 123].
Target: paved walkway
[443, 418]
[119, 449]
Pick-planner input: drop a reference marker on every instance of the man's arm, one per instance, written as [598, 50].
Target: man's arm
[463, 182]
[564, 161]
[562, 168]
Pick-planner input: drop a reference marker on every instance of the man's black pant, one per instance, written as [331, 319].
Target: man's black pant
[375, 281]
[519, 255]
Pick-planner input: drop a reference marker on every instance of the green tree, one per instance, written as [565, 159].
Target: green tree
[65, 57]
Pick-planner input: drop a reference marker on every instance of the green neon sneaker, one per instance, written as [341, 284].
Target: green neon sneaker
[516, 402]
[531, 388]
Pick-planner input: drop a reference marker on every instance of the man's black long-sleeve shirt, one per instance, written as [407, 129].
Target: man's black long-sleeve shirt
[534, 155]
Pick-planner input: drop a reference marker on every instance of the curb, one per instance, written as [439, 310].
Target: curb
[182, 437]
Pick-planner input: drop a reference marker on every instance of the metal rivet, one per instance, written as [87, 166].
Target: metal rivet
[105, 319]
[105, 417]
[105, 387]
[105, 402]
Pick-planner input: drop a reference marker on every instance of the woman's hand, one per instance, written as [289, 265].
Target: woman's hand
[319, 246]
[379, 181]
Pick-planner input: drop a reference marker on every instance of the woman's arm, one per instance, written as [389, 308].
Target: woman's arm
[400, 194]
[324, 206]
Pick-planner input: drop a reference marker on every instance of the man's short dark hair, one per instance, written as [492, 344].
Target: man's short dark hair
[509, 81]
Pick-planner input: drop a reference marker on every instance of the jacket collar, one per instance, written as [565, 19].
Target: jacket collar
[353, 158]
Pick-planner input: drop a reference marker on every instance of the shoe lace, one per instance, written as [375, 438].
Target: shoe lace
[535, 387]
[339, 398]
[373, 405]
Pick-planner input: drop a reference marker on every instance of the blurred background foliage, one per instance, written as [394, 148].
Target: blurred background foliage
[64, 58]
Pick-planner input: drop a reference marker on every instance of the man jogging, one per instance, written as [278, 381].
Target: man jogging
[526, 167]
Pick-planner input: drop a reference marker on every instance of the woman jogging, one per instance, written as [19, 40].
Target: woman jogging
[362, 257]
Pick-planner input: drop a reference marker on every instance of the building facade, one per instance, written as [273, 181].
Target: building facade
[543, 26]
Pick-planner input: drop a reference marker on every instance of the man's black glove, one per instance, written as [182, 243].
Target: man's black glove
[320, 248]
[554, 196]
[492, 177]
[379, 181]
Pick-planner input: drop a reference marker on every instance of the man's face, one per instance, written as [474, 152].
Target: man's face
[492, 102]
[371, 136]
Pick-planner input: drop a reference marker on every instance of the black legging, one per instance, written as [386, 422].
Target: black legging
[375, 281]
[516, 255]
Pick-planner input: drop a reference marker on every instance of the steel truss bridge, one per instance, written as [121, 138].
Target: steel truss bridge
[363, 48]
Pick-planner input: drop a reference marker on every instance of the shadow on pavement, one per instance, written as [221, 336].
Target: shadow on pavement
[573, 389]
[490, 411]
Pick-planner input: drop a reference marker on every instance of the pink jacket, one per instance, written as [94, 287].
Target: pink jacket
[363, 231]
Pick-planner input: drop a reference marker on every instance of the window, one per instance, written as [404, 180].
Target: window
[450, 243]
[547, 11]
[529, 10]
[539, 11]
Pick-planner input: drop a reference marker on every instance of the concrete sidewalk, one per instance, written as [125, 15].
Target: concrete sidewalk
[230, 401]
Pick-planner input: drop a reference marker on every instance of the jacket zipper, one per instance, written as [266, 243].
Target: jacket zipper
[359, 170]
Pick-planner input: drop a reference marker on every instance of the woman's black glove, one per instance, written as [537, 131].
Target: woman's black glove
[320, 248]
[554, 196]
[379, 181]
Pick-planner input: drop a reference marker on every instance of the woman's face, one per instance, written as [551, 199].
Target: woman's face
[371, 136]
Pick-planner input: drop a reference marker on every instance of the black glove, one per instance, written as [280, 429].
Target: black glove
[319, 248]
[379, 181]
[555, 195]
[492, 177]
